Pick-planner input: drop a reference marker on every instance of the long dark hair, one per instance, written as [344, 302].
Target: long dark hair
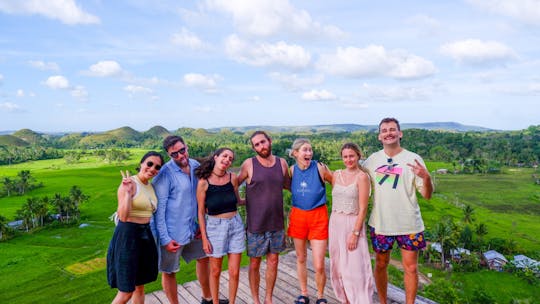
[147, 155]
[207, 165]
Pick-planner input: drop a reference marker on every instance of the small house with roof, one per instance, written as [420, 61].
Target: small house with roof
[494, 260]
[522, 262]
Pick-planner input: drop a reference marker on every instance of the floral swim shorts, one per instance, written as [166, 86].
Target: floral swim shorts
[384, 243]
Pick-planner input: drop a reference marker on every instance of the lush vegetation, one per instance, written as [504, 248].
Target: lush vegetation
[481, 210]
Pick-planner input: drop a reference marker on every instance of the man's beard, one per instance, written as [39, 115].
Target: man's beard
[265, 153]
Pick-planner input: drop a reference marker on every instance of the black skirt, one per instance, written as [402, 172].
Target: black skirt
[132, 257]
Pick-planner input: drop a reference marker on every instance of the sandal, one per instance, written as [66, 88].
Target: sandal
[321, 301]
[301, 300]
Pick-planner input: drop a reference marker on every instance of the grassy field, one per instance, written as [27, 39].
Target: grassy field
[66, 264]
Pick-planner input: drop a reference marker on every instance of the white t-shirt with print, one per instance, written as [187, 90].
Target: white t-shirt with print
[395, 206]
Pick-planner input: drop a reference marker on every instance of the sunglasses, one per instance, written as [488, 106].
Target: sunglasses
[176, 153]
[150, 164]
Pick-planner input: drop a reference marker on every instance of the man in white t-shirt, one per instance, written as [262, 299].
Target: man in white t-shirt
[395, 217]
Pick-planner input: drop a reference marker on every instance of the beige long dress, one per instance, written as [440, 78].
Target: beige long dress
[350, 271]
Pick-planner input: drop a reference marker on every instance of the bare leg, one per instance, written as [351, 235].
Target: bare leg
[168, 281]
[215, 271]
[318, 248]
[203, 275]
[254, 278]
[138, 295]
[234, 275]
[122, 297]
[272, 260]
[300, 246]
[381, 275]
[410, 267]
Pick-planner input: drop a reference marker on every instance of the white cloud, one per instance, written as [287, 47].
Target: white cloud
[295, 82]
[187, 39]
[66, 11]
[205, 109]
[374, 61]
[318, 95]
[255, 99]
[1, 78]
[20, 93]
[80, 93]
[266, 54]
[135, 89]
[395, 93]
[527, 11]
[106, 68]
[208, 83]
[44, 66]
[57, 82]
[264, 18]
[10, 107]
[478, 52]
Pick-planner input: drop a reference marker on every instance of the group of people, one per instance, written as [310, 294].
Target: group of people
[191, 209]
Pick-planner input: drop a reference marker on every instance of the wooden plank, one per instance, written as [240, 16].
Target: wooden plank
[285, 291]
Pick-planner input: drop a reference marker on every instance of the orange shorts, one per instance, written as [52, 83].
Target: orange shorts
[308, 225]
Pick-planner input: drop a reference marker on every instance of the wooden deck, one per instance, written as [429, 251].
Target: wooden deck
[285, 291]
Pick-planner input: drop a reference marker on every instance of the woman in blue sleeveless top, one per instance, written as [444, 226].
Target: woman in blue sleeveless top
[308, 219]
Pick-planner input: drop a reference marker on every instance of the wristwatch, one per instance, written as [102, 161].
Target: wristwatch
[356, 232]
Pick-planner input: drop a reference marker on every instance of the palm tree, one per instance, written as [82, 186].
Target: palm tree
[42, 209]
[77, 197]
[444, 233]
[4, 228]
[9, 185]
[24, 181]
[468, 211]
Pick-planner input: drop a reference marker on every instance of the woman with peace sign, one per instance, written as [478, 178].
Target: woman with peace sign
[132, 257]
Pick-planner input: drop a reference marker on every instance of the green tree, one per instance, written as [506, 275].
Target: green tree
[24, 182]
[445, 233]
[77, 197]
[9, 186]
[468, 212]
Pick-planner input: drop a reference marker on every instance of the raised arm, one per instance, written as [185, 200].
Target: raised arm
[125, 196]
[420, 170]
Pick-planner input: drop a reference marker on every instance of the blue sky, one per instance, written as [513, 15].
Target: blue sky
[95, 65]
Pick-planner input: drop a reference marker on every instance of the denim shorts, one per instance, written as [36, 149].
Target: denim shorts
[225, 235]
[169, 262]
[260, 244]
[384, 243]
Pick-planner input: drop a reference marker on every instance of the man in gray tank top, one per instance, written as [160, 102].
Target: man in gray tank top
[266, 176]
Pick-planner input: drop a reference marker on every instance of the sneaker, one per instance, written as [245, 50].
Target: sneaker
[221, 301]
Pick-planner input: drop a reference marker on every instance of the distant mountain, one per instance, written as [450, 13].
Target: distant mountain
[444, 126]
[127, 136]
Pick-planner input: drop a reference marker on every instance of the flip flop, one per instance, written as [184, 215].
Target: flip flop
[321, 301]
[301, 300]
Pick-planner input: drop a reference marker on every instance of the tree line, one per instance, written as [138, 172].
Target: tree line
[38, 211]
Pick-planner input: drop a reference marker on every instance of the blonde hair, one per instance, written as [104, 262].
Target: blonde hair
[299, 142]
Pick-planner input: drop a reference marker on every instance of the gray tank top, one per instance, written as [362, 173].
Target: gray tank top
[264, 198]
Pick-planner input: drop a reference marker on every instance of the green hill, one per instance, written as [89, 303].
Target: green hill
[10, 140]
[30, 136]
[157, 132]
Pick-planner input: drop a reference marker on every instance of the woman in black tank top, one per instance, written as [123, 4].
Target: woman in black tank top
[221, 226]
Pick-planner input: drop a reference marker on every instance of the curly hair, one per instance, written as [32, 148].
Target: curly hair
[208, 163]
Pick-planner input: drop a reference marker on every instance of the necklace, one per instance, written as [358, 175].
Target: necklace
[351, 172]
[222, 175]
